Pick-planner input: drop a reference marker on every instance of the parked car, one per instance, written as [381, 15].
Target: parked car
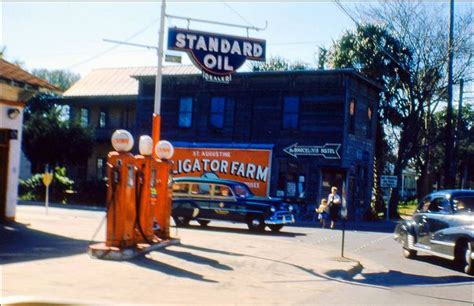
[442, 225]
[206, 199]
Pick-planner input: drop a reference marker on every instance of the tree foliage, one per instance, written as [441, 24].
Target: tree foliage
[278, 64]
[61, 78]
[47, 139]
[404, 49]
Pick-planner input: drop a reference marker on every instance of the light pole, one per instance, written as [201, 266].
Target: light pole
[157, 105]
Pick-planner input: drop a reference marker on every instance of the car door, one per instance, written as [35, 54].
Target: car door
[222, 204]
[201, 196]
[421, 221]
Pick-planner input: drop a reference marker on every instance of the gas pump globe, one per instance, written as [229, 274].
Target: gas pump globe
[122, 141]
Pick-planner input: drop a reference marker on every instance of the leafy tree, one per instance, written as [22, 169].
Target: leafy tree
[61, 78]
[407, 55]
[278, 64]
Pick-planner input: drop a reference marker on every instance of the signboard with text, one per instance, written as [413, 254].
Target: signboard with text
[388, 181]
[218, 56]
[250, 166]
[327, 151]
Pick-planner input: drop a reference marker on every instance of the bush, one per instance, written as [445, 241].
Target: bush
[89, 192]
[33, 189]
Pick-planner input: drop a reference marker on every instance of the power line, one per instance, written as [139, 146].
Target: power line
[115, 46]
[339, 4]
[237, 13]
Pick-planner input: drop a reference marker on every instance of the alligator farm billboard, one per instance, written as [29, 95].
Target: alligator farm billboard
[249, 166]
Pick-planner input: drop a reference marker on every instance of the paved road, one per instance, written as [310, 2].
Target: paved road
[43, 258]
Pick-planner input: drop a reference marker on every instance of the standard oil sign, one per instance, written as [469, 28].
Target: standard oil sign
[217, 55]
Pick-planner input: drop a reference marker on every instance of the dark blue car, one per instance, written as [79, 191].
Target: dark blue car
[442, 225]
[206, 199]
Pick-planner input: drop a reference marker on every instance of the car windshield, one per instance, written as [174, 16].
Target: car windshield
[242, 191]
[464, 203]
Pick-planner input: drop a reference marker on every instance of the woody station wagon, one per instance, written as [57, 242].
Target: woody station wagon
[206, 199]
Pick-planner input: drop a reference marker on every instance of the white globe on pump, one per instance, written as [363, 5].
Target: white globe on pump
[145, 145]
[122, 141]
[164, 149]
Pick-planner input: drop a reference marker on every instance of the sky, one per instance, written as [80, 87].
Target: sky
[69, 35]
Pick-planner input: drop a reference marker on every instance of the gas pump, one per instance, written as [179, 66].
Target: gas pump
[164, 150]
[147, 169]
[121, 190]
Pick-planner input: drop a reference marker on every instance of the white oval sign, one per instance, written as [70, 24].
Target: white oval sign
[164, 149]
[122, 141]
[145, 145]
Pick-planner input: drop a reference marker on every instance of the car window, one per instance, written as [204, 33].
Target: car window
[180, 189]
[201, 189]
[438, 205]
[424, 205]
[242, 191]
[223, 191]
[463, 204]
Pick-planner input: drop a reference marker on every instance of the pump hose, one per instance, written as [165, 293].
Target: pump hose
[138, 196]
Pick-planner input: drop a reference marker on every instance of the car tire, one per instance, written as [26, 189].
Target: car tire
[407, 253]
[203, 223]
[465, 259]
[256, 224]
[181, 221]
[275, 227]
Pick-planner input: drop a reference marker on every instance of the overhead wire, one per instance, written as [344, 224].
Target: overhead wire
[115, 46]
[237, 13]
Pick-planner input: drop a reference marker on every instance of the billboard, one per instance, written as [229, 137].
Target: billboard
[250, 166]
[216, 55]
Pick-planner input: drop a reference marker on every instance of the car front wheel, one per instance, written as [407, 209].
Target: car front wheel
[203, 223]
[275, 227]
[256, 224]
[407, 253]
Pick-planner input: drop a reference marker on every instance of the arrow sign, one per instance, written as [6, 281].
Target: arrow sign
[328, 151]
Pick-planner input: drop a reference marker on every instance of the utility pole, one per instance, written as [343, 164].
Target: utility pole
[449, 178]
[157, 105]
[458, 127]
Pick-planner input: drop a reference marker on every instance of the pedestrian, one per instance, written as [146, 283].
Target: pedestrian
[335, 202]
[323, 212]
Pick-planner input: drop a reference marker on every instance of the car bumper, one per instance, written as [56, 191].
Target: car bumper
[280, 220]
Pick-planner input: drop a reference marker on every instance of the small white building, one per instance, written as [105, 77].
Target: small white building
[16, 88]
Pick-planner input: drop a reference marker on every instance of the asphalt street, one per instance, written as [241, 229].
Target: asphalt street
[43, 258]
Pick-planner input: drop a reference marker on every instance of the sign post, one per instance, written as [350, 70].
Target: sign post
[388, 181]
[47, 179]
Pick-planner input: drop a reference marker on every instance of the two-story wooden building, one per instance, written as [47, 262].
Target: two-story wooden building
[319, 125]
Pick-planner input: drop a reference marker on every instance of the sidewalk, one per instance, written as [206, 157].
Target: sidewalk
[44, 258]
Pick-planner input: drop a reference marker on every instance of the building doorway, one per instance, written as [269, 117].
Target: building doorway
[4, 149]
[330, 178]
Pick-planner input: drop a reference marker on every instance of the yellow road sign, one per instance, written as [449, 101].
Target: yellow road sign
[47, 178]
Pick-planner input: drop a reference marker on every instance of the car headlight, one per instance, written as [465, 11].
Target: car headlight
[272, 209]
[290, 207]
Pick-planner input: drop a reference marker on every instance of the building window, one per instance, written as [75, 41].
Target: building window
[185, 112]
[369, 122]
[100, 168]
[216, 118]
[352, 114]
[291, 107]
[84, 117]
[102, 119]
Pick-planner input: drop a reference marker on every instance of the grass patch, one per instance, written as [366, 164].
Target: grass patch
[407, 208]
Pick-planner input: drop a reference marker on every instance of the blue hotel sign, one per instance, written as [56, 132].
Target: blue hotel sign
[218, 56]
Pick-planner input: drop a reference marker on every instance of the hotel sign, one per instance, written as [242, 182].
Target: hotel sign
[218, 56]
[328, 151]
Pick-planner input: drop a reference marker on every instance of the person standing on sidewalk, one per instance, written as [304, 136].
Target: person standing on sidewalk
[323, 212]
[335, 202]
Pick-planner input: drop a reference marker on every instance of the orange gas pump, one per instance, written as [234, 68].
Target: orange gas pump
[146, 191]
[121, 190]
[164, 150]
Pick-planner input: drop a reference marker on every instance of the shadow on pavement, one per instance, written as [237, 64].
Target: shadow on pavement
[149, 263]
[243, 231]
[360, 226]
[193, 247]
[394, 278]
[196, 259]
[19, 243]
